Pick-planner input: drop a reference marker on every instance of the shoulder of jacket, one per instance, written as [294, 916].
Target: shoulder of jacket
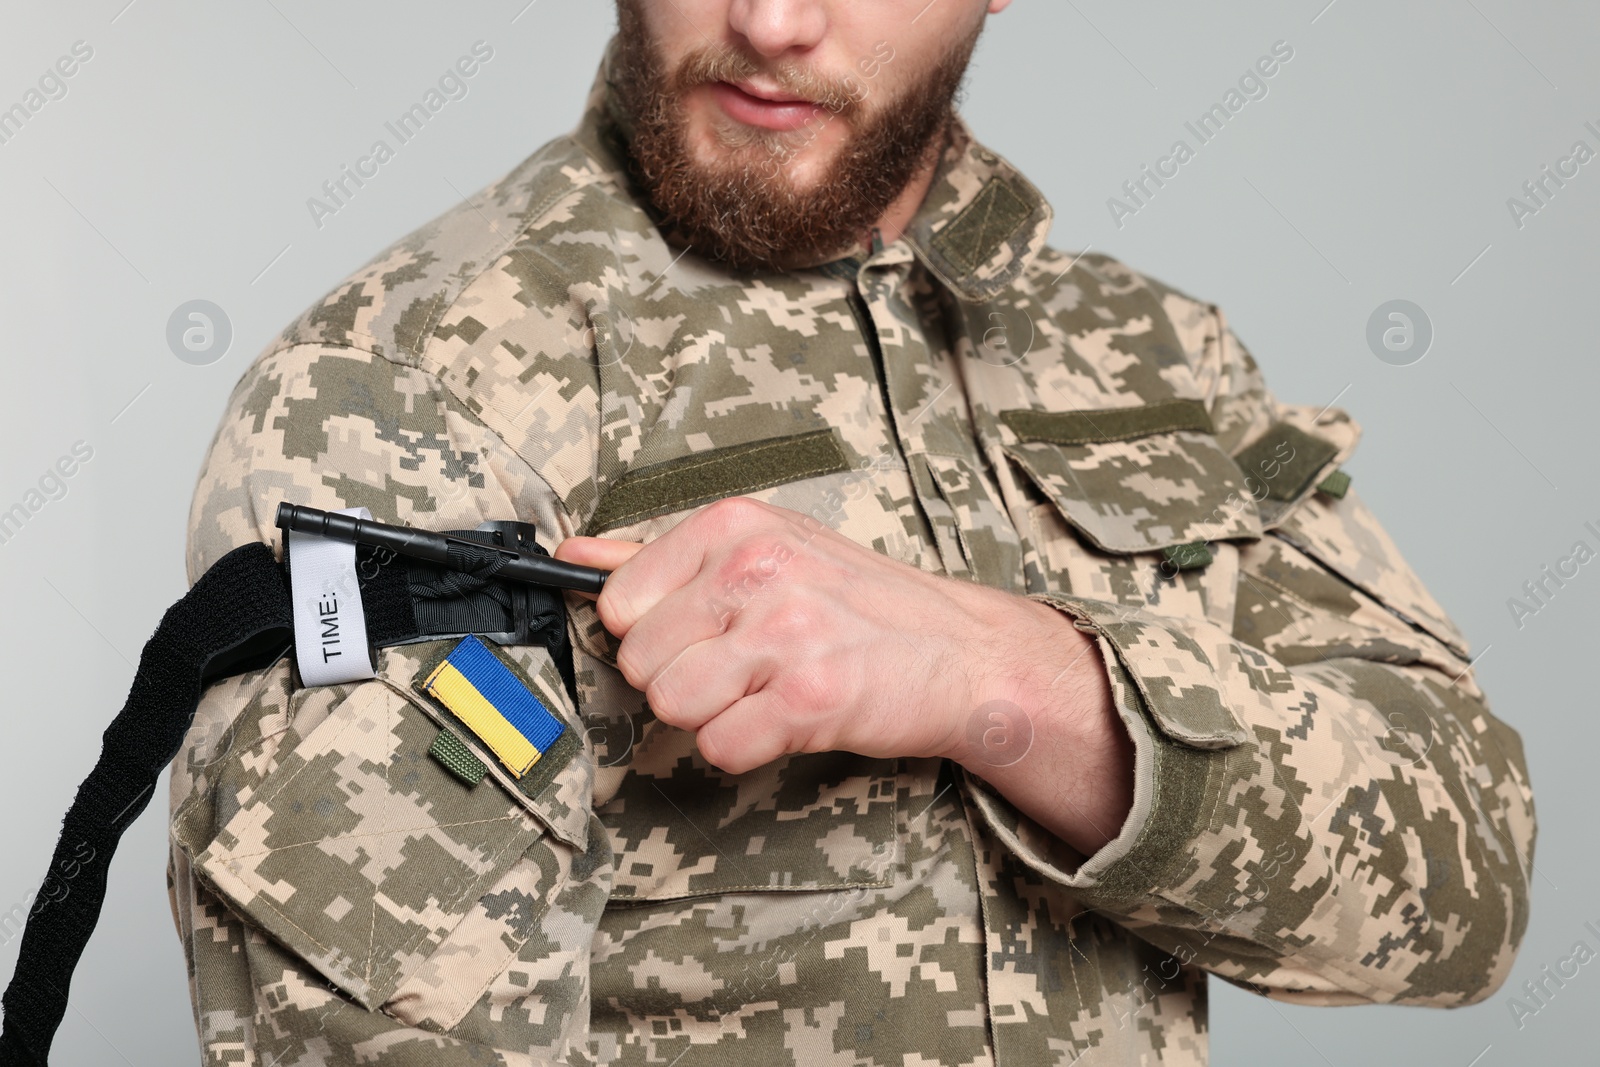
[393, 305]
[1221, 371]
[1097, 274]
[493, 300]
[1089, 293]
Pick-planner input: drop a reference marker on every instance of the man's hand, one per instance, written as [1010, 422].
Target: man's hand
[767, 633]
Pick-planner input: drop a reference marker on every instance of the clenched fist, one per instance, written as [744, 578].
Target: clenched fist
[767, 633]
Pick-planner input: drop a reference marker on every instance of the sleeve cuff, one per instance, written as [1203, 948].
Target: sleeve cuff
[1167, 694]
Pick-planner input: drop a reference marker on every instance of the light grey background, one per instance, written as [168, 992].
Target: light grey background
[1378, 167]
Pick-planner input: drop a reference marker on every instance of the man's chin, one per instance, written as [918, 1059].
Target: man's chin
[805, 153]
[796, 171]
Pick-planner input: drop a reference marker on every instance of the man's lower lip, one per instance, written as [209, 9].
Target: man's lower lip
[740, 106]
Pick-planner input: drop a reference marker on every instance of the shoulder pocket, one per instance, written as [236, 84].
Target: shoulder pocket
[368, 851]
[1309, 505]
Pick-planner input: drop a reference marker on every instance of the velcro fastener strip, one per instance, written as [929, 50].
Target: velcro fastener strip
[1107, 424]
[702, 477]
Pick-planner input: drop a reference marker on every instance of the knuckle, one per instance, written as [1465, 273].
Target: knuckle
[629, 658]
[664, 700]
[614, 608]
[793, 620]
[747, 559]
[723, 751]
[807, 693]
[732, 513]
[711, 751]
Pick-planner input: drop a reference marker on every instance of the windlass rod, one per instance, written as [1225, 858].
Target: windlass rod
[456, 553]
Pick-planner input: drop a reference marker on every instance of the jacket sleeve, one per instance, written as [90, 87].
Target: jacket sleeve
[1325, 809]
[358, 913]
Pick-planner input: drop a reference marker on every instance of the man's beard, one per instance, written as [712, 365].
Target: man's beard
[744, 210]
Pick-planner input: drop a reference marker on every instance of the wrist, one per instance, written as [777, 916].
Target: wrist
[1029, 671]
[1043, 729]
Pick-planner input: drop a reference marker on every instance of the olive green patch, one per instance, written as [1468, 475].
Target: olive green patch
[557, 756]
[457, 758]
[702, 477]
[1107, 424]
[1335, 485]
[1189, 557]
[1286, 458]
[974, 236]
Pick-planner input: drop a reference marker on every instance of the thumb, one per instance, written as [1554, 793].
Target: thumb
[601, 552]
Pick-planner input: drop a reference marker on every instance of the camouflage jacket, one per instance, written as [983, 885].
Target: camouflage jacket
[1325, 811]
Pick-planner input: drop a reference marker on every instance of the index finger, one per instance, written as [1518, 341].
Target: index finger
[602, 552]
[674, 559]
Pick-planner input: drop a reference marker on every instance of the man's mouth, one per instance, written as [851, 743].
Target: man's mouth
[769, 108]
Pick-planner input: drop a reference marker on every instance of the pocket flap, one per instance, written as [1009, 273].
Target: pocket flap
[557, 789]
[360, 851]
[1148, 490]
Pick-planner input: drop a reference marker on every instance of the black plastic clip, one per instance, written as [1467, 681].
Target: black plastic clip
[518, 537]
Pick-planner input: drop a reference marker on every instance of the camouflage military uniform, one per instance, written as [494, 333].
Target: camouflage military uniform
[1325, 809]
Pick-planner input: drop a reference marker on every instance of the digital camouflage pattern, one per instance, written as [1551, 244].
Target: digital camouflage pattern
[1325, 811]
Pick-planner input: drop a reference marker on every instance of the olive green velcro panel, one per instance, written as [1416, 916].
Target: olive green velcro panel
[702, 477]
[457, 758]
[1284, 459]
[562, 751]
[1188, 557]
[1107, 424]
[1335, 485]
[973, 237]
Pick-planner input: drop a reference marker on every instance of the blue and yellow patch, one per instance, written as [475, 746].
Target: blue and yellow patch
[494, 704]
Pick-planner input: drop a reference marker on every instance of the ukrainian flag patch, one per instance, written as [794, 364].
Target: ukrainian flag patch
[495, 704]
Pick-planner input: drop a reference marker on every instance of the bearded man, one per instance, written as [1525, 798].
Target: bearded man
[988, 657]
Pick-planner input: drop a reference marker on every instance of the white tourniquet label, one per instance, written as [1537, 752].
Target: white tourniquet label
[330, 630]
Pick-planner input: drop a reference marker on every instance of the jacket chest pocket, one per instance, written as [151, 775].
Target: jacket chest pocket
[812, 473]
[683, 829]
[1149, 521]
[680, 828]
[872, 502]
[387, 850]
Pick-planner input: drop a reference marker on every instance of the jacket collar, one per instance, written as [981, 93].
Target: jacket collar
[977, 230]
[981, 223]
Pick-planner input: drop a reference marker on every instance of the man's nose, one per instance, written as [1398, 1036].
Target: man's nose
[774, 27]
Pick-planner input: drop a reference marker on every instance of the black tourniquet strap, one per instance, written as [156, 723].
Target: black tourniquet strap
[236, 618]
